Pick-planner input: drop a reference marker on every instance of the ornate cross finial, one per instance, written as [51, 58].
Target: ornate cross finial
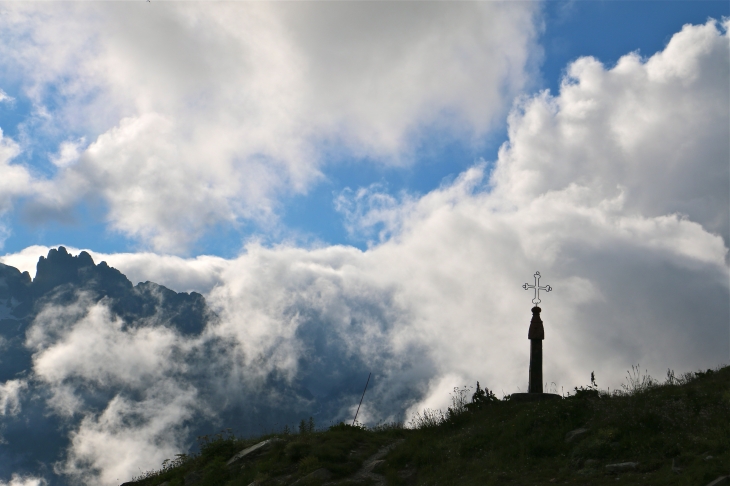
[537, 288]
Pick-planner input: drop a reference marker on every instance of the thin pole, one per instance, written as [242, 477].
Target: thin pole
[363, 396]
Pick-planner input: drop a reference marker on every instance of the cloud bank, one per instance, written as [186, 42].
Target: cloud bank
[199, 116]
[616, 189]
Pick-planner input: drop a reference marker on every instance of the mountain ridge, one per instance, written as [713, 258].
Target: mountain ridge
[60, 276]
[34, 436]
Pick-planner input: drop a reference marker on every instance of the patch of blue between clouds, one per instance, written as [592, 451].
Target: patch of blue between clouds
[435, 163]
[24, 123]
[609, 29]
[13, 113]
[86, 228]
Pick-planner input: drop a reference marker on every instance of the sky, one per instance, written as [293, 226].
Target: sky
[382, 177]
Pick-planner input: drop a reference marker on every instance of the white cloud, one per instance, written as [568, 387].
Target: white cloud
[10, 396]
[201, 115]
[18, 480]
[68, 152]
[655, 131]
[4, 97]
[369, 209]
[80, 347]
[90, 327]
[129, 435]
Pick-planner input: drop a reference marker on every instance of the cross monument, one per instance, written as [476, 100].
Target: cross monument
[536, 335]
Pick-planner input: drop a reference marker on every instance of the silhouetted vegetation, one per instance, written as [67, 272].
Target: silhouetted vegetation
[673, 433]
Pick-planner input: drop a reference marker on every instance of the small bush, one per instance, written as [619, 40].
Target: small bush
[215, 473]
[221, 444]
[459, 405]
[429, 418]
[586, 392]
[343, 427]
[330, 452]
[637, 382]
[481, 398]
[308, 464]
[297, 450]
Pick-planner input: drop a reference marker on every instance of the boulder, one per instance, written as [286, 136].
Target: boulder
[721, 481]
[256, 448]
[574, 434]
[622, 466]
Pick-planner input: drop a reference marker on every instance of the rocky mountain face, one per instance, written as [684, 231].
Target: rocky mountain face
[61, 277]
[33, 435]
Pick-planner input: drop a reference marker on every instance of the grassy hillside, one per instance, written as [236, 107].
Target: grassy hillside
[675, 433]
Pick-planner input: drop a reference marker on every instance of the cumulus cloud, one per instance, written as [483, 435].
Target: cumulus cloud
[199, 116]
[598, 187]
[653, 130]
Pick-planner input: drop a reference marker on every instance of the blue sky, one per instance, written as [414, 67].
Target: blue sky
[605, 30]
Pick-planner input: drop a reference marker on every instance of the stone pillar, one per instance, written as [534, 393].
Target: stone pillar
[536, 334]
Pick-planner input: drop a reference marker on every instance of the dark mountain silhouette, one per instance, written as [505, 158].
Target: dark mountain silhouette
[60, 277]
[35, 436]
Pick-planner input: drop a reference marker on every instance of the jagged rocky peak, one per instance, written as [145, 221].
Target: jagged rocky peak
[12, 277]
[60, 267]
[14, 284]
[61, 278]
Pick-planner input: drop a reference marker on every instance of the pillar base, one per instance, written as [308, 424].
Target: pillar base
[533, 397]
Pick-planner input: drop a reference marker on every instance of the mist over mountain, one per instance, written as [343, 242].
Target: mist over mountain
[88, 356]
[35, 439]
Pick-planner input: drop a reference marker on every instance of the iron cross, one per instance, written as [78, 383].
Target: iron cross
[537, 288]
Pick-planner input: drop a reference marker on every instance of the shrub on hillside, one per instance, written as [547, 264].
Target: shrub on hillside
[481, 398]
